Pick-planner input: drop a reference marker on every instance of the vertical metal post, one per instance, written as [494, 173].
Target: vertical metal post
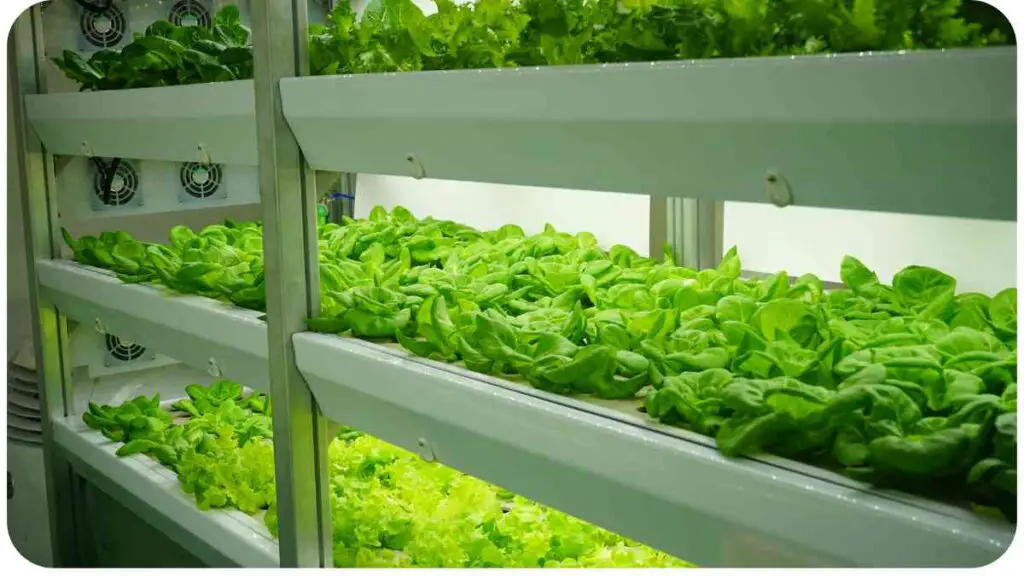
[702, 229]
[658, 222]
[692, 228]
[288, 197]
[37, 185]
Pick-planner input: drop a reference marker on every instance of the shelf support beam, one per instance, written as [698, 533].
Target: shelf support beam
[288, 198]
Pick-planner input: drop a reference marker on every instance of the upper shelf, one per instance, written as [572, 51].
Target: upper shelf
[209, 123]
[200, 332]
[928, 132]
[667, 488]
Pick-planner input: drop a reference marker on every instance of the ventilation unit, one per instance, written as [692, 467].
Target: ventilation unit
[200, 182]
[26, 475]
[123, 187]
[120, 351]
[151, 187]
[189, 13]
[104, 354]
[102, 24]
[24, 413]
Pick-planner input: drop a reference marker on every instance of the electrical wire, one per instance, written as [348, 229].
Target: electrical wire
[107, 173]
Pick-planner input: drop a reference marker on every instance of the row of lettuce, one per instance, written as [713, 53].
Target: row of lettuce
[389, 507]
[396, 35]
[911, 385]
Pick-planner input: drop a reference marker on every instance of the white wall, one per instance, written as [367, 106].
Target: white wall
[982, 255]
[613, 218]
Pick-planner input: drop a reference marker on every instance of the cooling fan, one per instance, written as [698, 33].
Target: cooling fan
[102, 23]
[120, 350]
[103, 353]
[123, 187]
[189, 13]
[201, 182]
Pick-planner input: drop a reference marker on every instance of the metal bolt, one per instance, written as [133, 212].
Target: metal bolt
[214, 369]
[204, 155]
[98, 324]
[86, 149]
[777, 189]
[416, 167]
[425, 451]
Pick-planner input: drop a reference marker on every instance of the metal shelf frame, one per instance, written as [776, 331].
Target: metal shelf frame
[828, 131]
[204, 123]
[219, 538]
[690, 131]
[666, 487]
[206, 334]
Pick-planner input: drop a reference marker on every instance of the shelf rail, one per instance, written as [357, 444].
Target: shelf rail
[288, 198]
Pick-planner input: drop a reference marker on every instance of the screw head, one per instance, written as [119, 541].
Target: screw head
[777, 189]
[213, 368]
[425, 451]
[416, 168]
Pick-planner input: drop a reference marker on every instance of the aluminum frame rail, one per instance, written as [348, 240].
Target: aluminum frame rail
[217, 537]
[831, 131]
[927, 132]
[664, 487]
[205, 123]
[223, 340]
[288, 198]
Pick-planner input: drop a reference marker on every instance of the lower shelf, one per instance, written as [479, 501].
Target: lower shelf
[662, 486]
[217, 537]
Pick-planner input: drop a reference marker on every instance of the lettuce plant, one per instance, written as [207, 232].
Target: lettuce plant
[910, 384]
[389, 508]
[395, 35]
[168, 55]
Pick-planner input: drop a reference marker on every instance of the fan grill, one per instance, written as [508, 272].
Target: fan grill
[123, 185]
[200, 180]
[103, 29]
[189, 13]
[123, 350]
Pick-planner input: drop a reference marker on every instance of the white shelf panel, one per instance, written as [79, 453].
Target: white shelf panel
[921, 132]
[645, 481]
[153, 492]
[200, 332]
[151, 123]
